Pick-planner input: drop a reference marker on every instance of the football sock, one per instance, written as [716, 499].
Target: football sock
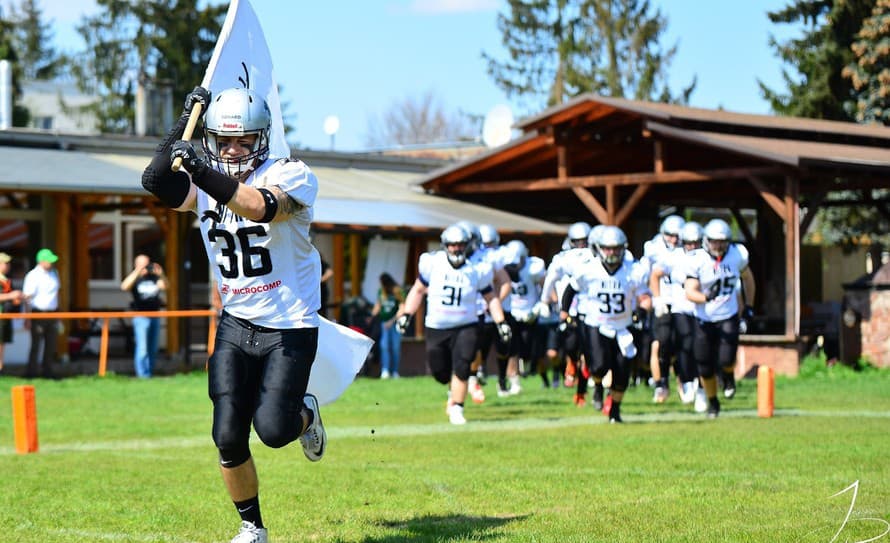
[250, 511]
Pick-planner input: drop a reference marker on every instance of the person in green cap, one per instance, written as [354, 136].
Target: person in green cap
[41, 291]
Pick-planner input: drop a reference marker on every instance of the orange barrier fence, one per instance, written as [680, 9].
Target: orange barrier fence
[107, 315]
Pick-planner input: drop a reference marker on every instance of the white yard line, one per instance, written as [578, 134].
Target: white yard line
[405, 430]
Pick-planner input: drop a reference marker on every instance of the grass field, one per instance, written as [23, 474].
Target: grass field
[128, 460]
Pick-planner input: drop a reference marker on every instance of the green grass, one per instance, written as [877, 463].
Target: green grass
[132, 460]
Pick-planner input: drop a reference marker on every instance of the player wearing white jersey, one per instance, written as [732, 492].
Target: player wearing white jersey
[714, 274]
[255, 215]
[682, 311]
[488, 253]
[450, 283]
[569, 332]
[655, 251]
[526, 277]
[613, 285]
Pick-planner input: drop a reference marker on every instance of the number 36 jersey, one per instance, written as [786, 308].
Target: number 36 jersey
[267, 273]
[451, 293]
[724, 274]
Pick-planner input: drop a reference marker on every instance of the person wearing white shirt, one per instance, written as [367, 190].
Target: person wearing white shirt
[41, 292]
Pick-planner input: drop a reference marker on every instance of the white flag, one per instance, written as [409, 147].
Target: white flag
[241, 59]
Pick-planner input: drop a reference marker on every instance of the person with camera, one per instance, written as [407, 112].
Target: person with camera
[146, 282]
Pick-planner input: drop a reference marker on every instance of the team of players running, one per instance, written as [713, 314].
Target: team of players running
[591, 315]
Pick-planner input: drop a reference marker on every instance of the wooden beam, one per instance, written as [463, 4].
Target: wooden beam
[611, 204]
[792, 257]
[172, 268]
[812, 209]
[776, 203]
[743, 226]
[339, 265]
[631, 204]
[553, 183]
[602, 216]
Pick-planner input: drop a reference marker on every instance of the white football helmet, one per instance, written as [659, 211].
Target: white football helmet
[455, 235]
[232, 113]
[475, 236]
[691, 233]
[612, 237]
[671, 225]
[489, 236]
[578, 233]
[716, 237]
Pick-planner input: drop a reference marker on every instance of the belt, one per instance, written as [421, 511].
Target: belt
[249, 325]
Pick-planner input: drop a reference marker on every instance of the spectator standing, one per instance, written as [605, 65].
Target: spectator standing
[41, 292]
[389, 297]
[8, 297]
[146, 282]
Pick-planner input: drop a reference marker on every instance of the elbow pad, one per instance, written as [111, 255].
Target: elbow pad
[170, 187]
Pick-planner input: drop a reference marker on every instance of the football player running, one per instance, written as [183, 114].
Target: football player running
[562, 266]
[255, 214]
[714, 274]
[451, 283]
[526, 277]
[682, 310]
[611, 284]
[655, 251]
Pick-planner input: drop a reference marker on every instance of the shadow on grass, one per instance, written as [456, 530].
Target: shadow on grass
[443, 528]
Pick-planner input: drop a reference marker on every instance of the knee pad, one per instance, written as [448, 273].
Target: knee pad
[462, 370]
[232, 457]
[706, 371]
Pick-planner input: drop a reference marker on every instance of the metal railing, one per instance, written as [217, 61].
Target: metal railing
[106, 316]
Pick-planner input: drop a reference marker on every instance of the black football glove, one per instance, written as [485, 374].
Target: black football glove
[199, 95]
[402, 323]
[504, 332]
[714, 291]
[192, 163]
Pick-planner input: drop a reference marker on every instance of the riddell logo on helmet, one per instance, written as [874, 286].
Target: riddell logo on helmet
[231, 125]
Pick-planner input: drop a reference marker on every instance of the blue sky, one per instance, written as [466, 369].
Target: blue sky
[355, 59]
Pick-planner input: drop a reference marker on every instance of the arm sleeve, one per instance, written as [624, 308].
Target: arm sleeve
[567, 296]
[170, 187]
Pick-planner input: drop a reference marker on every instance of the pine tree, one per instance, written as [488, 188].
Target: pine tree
[558, 49]
[33, 38]
[165, 41]
[870, 72]
[819, 56]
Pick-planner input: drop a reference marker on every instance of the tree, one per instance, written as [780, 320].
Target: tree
[558, 49]
[819, 56]
[132, 41]
[20, 115]
[33, 38]
[870, 71]
[419, 120]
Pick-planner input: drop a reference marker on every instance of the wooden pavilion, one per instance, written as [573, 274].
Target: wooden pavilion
[625, 162]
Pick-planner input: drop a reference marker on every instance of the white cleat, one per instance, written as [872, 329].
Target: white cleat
[456, 414]
[314, 439]
[687, 392]
[249, 533]
[701, 401]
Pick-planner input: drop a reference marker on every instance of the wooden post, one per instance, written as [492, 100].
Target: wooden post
[792, 257]
[338, 265]
[355, 260]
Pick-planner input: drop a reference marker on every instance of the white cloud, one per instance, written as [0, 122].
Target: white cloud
[434, 7]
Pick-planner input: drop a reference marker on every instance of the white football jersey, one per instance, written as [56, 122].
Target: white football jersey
[656, 251]
[495, 258]
[563, 265]
[675, 266]
[526, 292]
[727, 272]
[611, 297]
[451, 293]
[267, 273]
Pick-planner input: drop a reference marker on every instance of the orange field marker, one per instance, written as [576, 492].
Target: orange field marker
[766, 386]
[24, 416]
